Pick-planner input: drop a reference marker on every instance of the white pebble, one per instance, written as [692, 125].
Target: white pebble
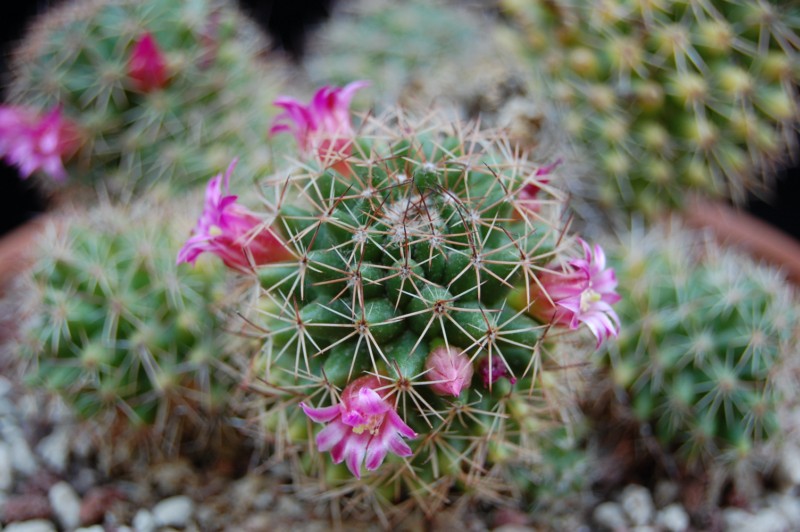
[93, 528]
[610, 515]
[5, 386]
[174, 511]
[54, 449]
[788, 470]
[768, 520]
[789, 506]
[21, 455]
[6, 468]
[673, 518]
[66, 505]
[34, 525]
[144, 521]
[638, 504]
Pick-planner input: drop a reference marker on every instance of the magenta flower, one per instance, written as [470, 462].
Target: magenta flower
[493, 371]
[363, 424]
[232, 232]
[582, 292]
[324, 124]
[33, 142]
[147, 66]
[449, 369]
[528, 195]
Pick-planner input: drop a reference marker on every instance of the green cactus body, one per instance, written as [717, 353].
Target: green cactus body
[413, 243]
[215, 103]
[672, 95]
[707, 333]
[115, 328]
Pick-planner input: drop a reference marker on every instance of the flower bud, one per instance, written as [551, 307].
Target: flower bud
[449, 371]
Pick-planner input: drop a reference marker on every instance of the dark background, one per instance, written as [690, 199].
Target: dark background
[289, 21]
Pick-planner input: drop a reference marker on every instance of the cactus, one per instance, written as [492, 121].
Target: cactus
[707, 335]
[391, 324]
[125, 337]
[160, 90]
[670, 95]
[420, 52]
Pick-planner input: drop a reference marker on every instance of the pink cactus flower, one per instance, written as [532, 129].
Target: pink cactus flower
[449, 369]
[528, 196]
[147, 66]
[324, 124]
[33, 142]
[494, 371]
[232, 232]
[582, 292]
[363, 424]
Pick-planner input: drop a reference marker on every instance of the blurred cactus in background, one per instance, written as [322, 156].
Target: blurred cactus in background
[391, 324]
[159, 90]
[128, 339]
[670, 95]
[706, 347]
[421, 53]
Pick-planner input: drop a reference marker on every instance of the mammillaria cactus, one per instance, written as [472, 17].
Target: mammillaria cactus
[123, 335]
[390, 325]
[704, 351]
[158, 90]
[670, 95]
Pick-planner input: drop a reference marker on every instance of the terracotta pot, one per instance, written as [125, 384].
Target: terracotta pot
[738, 228]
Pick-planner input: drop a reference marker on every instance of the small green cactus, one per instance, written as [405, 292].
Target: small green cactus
[706, 334]
[670, 95]
[113, 326]
[160, 90]
[396, 311]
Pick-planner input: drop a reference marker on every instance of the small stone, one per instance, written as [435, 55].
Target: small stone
[790, 508]
[5, 387]
[93, 528]
[144, 521]
[26, 508]
[768, 520]
[673, 518]
[289, 507]
[610, 515]
[54, 449]
[174, 511]
[21, 455]
[6, 468]
[97, 502]
[665, 493]
[638, 504]
[736, 519]
[66, 505]
[35, 525]
[788, 469]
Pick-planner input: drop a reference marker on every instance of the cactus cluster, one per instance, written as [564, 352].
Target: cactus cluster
[423, 52]
[123, 335]
[391, 322]
[671, 94]
[157, 90]
[704, 351]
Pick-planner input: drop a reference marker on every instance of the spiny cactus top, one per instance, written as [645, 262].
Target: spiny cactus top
[391, 324]
[113, 326]
[158, 91]
[671, 95]
[709, 336]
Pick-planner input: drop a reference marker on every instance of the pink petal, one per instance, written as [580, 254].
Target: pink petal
[321, 415]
